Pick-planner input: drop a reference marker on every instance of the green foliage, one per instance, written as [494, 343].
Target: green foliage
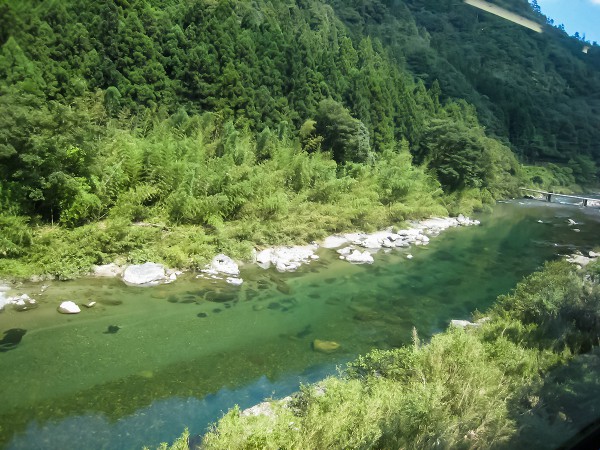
[15, 235]
[551, 177]
[346, 137]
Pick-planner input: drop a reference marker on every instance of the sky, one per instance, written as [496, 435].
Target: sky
[582, 16]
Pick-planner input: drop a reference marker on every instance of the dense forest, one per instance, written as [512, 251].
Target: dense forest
[169, 130]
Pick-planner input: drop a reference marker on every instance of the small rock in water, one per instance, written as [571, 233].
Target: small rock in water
[112, 329]
[68, 308]
[202, 314]
[325, 346]
[89, 304]
[235, 281]
[274, 305]
[217, 310]
[409, 256]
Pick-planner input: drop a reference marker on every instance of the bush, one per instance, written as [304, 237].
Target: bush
[15, 235]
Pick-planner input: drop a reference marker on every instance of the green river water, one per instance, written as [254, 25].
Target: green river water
[186, 352]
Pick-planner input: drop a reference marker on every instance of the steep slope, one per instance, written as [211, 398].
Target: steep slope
[538, 91]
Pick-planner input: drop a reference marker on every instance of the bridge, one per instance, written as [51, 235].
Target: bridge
[585, 201]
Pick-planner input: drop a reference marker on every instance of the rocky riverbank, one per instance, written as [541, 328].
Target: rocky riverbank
[355, 248]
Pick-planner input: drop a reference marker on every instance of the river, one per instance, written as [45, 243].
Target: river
[145, 363]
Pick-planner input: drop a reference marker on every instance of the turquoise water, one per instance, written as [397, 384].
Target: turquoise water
[145, 363]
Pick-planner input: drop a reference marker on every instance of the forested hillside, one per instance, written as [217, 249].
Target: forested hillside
[538, 91]
[241, 117]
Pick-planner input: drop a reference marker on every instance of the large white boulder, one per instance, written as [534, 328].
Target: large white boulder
[68, 308]
[148, 273]
[223, 264]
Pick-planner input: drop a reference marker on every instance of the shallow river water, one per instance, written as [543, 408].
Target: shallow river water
[145, 363]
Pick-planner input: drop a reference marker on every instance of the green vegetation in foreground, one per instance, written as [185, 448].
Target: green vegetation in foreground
[517, 381]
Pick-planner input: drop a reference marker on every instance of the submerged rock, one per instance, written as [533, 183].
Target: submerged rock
[112, 329]
[234, 281]
[69, 307]
[148, 273]
[325, 346]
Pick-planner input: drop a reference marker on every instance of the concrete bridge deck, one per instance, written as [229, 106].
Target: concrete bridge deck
[585, 201]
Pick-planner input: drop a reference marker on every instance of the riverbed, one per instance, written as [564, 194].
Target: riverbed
[145, 363]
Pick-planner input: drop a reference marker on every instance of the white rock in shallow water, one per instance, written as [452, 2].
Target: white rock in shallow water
[287, 259]
[68, 308]
[234, 281]
[224, 264]
[263, 258]
[345, 251]
[357, 257]
[334, 241]
[409, 256]
[144, 273]
[373, 241]
[4, 299]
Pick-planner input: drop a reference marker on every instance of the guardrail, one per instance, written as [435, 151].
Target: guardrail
[585, 201]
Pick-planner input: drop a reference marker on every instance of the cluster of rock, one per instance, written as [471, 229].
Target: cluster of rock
[417, 235]
[581, 260]
[220, 267]
[287, 259]
[356, 248]
[24, 302]
[19, 302]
